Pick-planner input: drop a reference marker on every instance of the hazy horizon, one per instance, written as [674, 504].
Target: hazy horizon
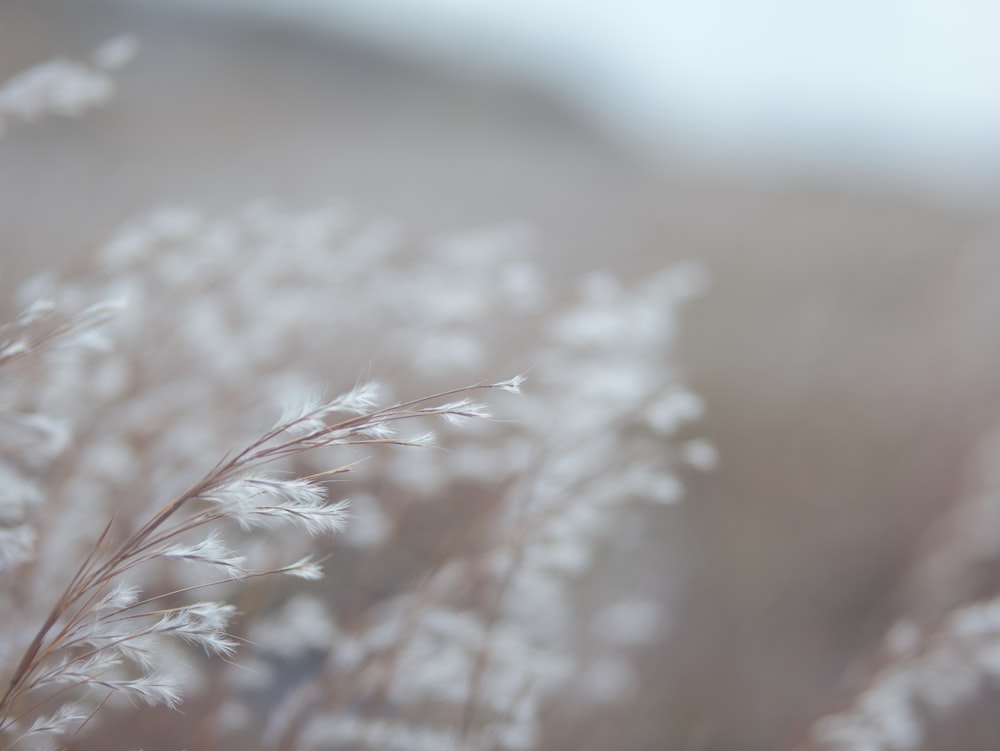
[898, 95]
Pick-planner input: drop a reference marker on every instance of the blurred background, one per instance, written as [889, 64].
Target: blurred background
[835, 168]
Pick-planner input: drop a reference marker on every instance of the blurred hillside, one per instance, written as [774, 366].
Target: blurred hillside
[846, 350]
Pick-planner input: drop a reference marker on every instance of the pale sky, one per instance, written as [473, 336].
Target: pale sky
[906, 91]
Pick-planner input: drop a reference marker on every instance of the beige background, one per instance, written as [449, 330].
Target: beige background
[847, 351]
